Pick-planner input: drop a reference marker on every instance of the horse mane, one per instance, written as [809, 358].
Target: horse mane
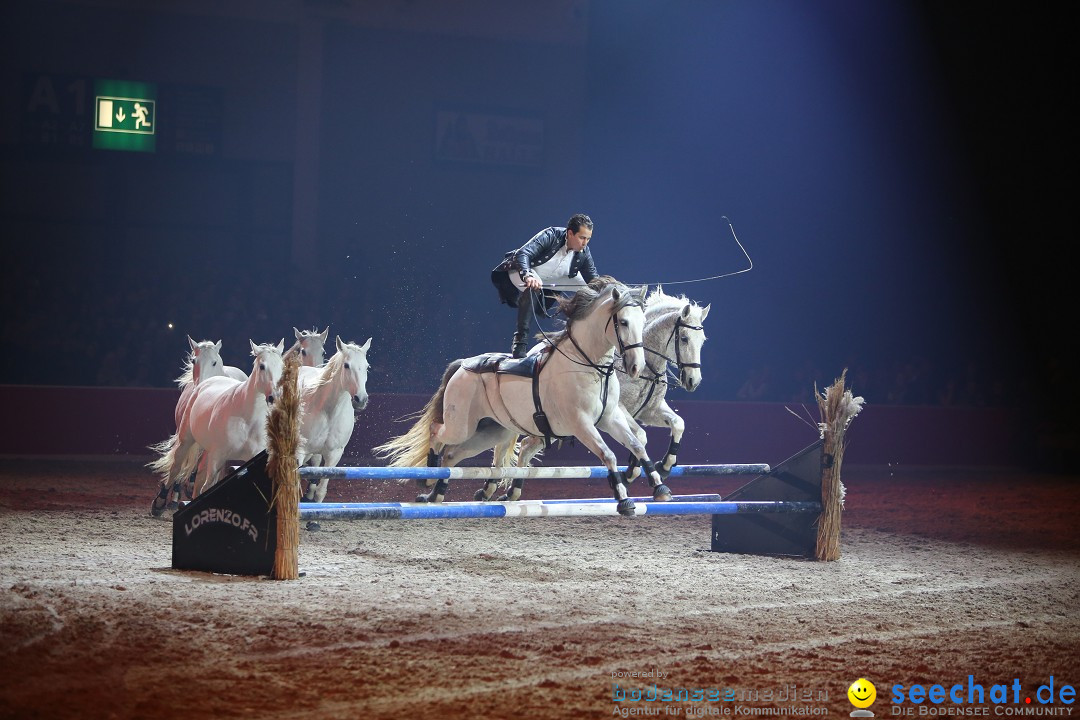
[584, 301]
[331, 368]
[327, 372]
[188, 376]
[658, 301]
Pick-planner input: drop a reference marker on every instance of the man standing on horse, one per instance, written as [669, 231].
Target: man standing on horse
[555, 257]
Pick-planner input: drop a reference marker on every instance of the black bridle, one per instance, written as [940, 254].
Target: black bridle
[659, 378]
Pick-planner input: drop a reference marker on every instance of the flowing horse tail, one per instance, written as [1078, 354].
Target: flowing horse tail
[165, 450]
[410, 449]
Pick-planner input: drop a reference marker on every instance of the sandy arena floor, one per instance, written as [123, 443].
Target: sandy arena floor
[945, 574]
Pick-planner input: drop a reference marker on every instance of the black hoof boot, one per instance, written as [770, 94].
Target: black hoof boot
[661, 493]
[632, 469]
[313, 526]
[626, 507]
[484, 494]
[159, 503]
[436, 495]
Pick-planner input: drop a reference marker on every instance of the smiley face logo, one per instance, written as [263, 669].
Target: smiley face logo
[862, 693]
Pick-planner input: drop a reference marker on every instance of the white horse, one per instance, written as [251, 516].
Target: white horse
[311, 344]
[225, 421]
[204, 361]
[573, 391]
[328, 397]
[674, 334]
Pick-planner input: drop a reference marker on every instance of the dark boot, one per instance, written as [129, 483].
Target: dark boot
[521, 338]
[520, 346]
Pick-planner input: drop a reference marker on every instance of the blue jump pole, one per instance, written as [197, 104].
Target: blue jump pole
[498, 473]
[539, 508]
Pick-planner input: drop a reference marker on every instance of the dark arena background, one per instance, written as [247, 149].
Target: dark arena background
[897, 173]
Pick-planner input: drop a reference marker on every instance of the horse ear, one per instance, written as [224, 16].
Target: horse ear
[296, 332]
[254, 347]
[642, 293]
[281, 346]
[337, 342]
[686, 311]
[192, 343]
[217, 346]
[325, 333]
[705, 311]
[366, 345]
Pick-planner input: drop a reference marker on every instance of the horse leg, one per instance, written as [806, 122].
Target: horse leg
[527, 450]
[632, 468]
[169, 494]
[489, 435]
[331, 460]
[674, 421]
[209, 468]
[313, 485]
[590, 438]
[502, 456]
[616, 426]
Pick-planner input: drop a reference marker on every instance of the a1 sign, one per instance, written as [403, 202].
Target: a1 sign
[125, 115]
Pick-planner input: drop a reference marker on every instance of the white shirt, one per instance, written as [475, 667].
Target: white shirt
[552, 272]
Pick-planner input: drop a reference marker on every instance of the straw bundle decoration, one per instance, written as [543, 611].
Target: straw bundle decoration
[283, 433]
[838, 408]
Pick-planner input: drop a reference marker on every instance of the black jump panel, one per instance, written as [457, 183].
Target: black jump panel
[796, 479]
[231, 528]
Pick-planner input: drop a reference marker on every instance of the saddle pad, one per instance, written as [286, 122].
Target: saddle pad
[502, 363]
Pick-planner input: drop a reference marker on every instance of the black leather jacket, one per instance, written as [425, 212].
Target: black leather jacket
[542, 248]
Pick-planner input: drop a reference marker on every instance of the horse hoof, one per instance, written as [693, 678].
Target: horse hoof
[421, 498]
[661, 493]
[314, 526]
[626, 507]
[172, 505]
[157, 508]
[480, 496]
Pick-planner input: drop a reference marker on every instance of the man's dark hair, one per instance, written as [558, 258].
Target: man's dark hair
[579, 221]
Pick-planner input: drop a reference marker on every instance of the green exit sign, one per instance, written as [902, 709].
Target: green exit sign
[125, 115]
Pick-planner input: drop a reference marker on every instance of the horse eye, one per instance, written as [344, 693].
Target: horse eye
[685, 339]
[346, 366]
[624, 323]
[213, 364]
[303, 351]
[262, 366]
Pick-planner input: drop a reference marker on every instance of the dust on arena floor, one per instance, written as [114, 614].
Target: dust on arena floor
[945, 574]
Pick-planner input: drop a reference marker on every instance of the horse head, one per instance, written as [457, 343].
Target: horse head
[205, 359]
[354, 366]
[688, 336]
[311, 345]
[628, 327]
[267, 368]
